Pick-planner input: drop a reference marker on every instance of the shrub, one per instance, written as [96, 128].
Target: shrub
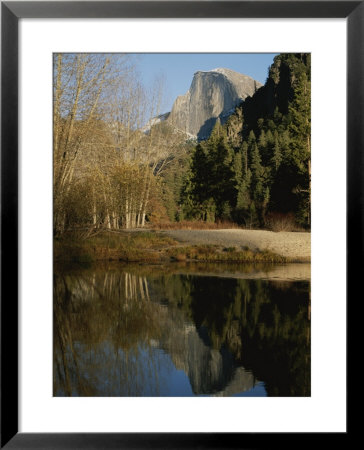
[276, 221]
[229, 249]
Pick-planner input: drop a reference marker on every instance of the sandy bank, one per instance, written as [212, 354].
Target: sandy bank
[288, 244]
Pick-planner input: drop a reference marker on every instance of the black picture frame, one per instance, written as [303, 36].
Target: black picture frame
[11, 12]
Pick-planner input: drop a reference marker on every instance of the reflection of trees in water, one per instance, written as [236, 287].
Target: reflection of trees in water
[109, 324]
[265, 325]
[103, 326]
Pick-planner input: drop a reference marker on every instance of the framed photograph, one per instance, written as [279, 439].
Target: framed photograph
[176, 261]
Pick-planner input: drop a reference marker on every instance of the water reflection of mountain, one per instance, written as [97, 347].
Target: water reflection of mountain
[123, 333]
[210, 371]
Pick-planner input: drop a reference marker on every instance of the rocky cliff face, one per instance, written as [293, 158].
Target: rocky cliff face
[213, 95]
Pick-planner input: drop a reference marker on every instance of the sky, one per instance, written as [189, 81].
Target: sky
[176, 70]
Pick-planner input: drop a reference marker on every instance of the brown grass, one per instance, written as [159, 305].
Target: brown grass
[123, 246]
[213, 253]
[151, 247]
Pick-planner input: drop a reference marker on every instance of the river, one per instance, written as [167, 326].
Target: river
[182, 330]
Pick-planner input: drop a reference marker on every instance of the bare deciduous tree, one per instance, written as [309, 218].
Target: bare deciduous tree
[106, 160]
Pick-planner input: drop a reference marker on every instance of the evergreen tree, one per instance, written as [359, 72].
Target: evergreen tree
[277, 155]
[300, 142]
[244, 149]
[259, 161]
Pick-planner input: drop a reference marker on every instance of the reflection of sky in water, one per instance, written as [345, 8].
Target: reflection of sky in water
[257, 391]
[162, 380]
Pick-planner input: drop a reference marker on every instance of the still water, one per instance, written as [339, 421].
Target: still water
[190, 330]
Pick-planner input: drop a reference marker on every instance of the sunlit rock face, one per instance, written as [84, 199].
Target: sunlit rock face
[213, 95]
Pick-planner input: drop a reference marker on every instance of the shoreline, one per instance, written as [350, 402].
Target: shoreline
[225, 245]
[292, 245]
[248, 271]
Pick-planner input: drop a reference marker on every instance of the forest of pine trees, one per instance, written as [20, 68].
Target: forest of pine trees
[256, 167]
